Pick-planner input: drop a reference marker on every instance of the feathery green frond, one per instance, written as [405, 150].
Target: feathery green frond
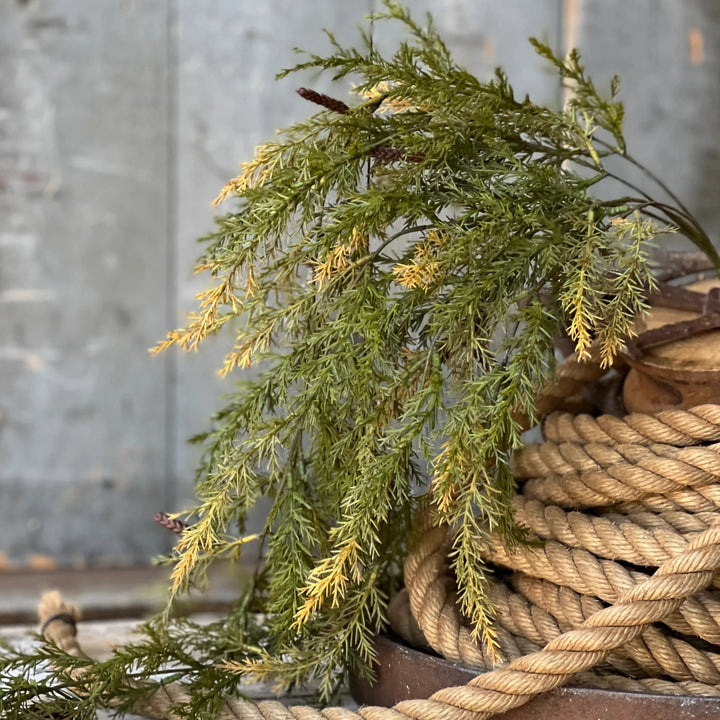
[396, 273]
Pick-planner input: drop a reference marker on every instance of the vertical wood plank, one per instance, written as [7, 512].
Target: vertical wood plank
[668, 56]
[83, 206]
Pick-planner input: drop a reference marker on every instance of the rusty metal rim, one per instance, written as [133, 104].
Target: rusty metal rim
[670, 373]
[403, 674]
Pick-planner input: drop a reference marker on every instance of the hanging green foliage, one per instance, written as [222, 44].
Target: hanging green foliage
[394, 271]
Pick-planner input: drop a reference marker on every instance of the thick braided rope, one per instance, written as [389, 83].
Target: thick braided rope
[612, 536]
[674, 427]
[599, 489]
[497, 691]
[448, 634]
[623, 539]
[641, 538]
[693, 500]
[654, 650]
[695, 466]
[623, 480]
[659, 596]
[536, 621]
[584, 572]
[679, 520]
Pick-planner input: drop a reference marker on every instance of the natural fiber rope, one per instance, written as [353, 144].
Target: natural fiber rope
[621, 480]
[608, 580]
[640, 538]
[701, 464]
[613, 537]
[524, 614]
[499, 690]
[674, 427]
[702, 500]
[654, 651]
[657, 505]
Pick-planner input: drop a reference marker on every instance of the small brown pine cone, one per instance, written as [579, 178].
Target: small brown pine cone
[389, 154]
[326, 101]
[172, 524]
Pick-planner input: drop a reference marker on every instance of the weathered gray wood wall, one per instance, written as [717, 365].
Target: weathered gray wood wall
[119, 122]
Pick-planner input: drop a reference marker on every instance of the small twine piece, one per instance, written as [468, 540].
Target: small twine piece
[58, 622]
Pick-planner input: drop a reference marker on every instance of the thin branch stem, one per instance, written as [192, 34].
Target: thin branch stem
[648, 173]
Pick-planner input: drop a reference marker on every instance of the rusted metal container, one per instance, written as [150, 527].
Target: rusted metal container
[403, 673]
[683, 372]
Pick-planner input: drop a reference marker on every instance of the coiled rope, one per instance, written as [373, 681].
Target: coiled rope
[621, 596]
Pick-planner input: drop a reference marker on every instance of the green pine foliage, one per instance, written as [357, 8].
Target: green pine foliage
[42, 682]
[394, 271]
